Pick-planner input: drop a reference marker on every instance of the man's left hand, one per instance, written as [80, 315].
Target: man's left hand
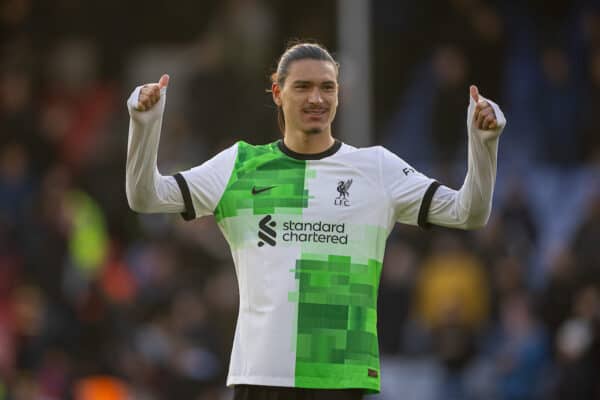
[484, 117]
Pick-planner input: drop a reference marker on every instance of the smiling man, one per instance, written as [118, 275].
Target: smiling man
[309, 102]
[307, 218]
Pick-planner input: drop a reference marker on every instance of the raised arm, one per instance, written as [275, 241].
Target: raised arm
[470, 207]
[147, 190]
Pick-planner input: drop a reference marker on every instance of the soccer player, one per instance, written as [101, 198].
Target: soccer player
[307, 219]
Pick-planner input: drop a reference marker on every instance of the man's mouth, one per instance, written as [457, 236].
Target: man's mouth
[315, 111]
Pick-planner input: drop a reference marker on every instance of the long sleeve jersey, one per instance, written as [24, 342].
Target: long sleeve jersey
[307, 234]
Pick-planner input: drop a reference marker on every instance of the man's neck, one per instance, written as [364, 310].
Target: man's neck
[307, 143]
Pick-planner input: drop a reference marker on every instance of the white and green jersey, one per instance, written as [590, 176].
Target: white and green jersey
[307, 235]
[307, 238]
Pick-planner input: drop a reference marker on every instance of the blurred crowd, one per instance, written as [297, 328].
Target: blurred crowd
[97, 302]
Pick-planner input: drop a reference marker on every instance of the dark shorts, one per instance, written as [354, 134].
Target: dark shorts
[252, 392]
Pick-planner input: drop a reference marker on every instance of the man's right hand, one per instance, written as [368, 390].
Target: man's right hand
[150, 94]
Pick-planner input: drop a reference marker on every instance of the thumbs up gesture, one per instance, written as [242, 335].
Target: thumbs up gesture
[484, 117]
[150, 93]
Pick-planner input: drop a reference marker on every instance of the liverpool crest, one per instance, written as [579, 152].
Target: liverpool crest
[343, 195]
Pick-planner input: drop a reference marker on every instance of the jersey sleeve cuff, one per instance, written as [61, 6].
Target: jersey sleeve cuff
[425, 204]
[189, 213]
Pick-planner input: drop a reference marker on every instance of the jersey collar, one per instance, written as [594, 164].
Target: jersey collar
[317, 156]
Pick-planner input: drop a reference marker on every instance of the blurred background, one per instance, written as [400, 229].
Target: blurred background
[99, 303]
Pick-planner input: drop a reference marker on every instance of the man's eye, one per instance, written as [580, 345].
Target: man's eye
[329, 88]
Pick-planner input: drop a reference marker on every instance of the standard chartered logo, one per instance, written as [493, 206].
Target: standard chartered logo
[300, 231]
[266, 231]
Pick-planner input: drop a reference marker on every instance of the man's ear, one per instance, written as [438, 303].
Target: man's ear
[276, 92]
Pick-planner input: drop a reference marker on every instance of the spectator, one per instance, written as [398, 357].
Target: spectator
[558, 107]
[578, 347]
[520, 351]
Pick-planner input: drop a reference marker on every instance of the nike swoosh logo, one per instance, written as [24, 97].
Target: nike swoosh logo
[257, 191]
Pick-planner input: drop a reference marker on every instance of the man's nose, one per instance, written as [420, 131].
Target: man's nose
[315, 96]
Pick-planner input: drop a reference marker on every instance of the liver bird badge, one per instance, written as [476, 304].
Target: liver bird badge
[343, 187]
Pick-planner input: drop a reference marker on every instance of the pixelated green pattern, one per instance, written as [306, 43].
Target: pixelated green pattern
[261, 167]
[365, 242]
[337, 322]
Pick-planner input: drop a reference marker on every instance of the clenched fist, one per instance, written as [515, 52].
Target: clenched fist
[484, 117]
[150, 94]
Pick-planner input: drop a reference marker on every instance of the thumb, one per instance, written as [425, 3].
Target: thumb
[164, 81]
[474, 93]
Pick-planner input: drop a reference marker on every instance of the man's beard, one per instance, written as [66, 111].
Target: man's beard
[313, 131]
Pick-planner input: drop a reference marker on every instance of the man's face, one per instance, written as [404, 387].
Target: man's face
[309, 96]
